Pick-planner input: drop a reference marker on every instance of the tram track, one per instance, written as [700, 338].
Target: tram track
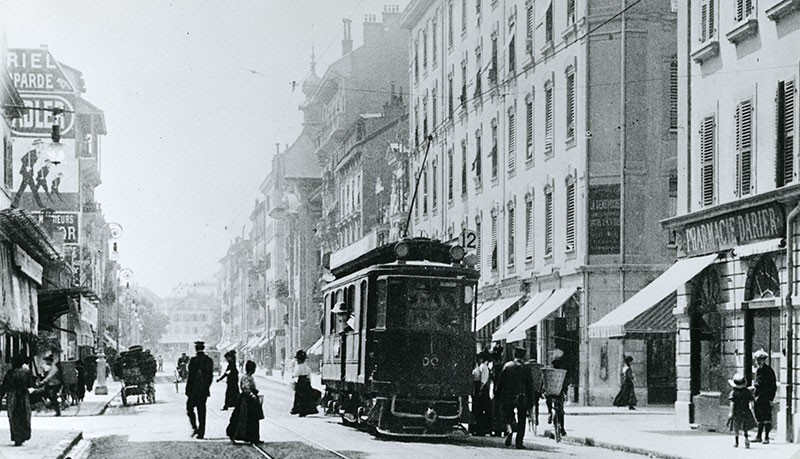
[263, 452]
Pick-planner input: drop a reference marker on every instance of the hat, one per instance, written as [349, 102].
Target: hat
[36, 142]
[760, 354]
[199, 345]
[301, 354]
[485, 355]
[558, 353]
[738, 381]
[628, 358]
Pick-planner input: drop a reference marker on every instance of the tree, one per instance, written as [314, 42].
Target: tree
[154, 324]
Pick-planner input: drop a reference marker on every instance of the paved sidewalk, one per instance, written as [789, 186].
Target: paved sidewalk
[652, 432]
[43, 444]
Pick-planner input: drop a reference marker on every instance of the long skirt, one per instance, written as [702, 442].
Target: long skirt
[244, 423]
[305, 400]
[231, 394]
[19, 416]
[763, 410]
[626, 396]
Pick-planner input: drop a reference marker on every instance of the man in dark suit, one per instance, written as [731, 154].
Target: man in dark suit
[515, 392]
[201, 374]
[28, 174]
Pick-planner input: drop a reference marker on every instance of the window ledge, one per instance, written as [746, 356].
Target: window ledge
[548, 257]
[549, 153]
[529, 262]
[450, 203]
[547, 49]
[673, 130]
[570, 251]
[512, 173]
[571, 29]
[529, 162]
[706, 51]
[781, 8]
[570, 142]
[495, 181]
[744, 29]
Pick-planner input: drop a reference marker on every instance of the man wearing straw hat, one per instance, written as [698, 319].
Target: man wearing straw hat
[515, 392]
[765, 392]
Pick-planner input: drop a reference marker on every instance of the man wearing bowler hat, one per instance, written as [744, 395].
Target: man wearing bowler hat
[28, 175]
[515, 392]
[201, 374]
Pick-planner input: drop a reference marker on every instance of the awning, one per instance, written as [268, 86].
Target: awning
[54, 303]
[614, 323]
[491, 312]
[524, 312]
[550, 305]
[760, 247]
[262, 342]
[222, 345]
[252, 342]
[316, 348]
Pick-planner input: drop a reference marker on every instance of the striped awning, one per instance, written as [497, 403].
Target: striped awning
[616, 323]
[487, 314]
[549, 306]
[316, 348]
[524, 312]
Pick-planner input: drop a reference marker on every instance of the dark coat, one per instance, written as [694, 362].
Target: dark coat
[201, 374]
[515, 380]
[765, 383]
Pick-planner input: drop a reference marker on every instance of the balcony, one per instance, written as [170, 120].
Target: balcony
[781, 8]
[707, 50]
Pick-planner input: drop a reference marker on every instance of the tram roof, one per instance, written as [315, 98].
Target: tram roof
[364, 253]
[403, 268]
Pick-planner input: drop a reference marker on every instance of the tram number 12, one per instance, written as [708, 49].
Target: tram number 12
[469, 239]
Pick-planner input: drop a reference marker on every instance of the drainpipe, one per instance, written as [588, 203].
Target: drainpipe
[790, 324]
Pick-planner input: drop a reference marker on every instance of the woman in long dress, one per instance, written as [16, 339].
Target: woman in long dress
[626, 396]
[305, 400]
[244, 423]
[231, 377]
[15, 386]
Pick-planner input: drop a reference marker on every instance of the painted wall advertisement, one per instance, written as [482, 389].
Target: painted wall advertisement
[604, 217]
[40, 183]
[65, 222]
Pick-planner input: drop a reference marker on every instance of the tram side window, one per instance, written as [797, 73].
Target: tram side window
[362, 307]
[351, 309]
[377, 319]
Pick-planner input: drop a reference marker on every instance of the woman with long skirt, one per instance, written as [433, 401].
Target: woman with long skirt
[305, 400]
[626, 396]
[244, 423]
[231, 377]
[15, 386]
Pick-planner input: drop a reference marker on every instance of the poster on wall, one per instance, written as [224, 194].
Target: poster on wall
[65, 222]
[39, 181]
[604, 213]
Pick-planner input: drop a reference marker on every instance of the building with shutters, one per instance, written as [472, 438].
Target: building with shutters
[738, 67]
[560, 155]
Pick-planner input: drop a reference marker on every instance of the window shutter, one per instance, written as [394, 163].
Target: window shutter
[478, 243]
[529, 229]
[788, 129]
[463, 167]
[571, 105]
[494, 149]
[8, 163]
[548, 119]
[673, 93]
[494, 242]
[711, 19]
[570, 233]
[570, 12]
[512, 141]
[529, 29]
[548, 222]
[450, 174]
[529, 129]
[707, 148]
[744, 147]
[511, 226]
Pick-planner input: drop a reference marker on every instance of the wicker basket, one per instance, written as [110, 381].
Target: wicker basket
[554, 380]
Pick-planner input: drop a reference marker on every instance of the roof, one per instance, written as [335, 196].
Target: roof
[18, 226]
[299, 160]
[84, 107]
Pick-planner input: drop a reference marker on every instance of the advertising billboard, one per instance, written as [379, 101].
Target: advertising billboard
[38, 181]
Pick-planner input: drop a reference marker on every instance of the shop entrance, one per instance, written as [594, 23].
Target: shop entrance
[661, 370]
[706, 371]
[762, 325]
[566, 336]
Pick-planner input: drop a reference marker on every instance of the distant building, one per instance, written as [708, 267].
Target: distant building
[191, 319]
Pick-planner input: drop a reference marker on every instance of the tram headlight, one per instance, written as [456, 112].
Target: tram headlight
[469, 294]
[457, 253]
[402, 250]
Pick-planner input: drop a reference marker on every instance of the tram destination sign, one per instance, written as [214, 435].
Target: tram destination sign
[733, 229]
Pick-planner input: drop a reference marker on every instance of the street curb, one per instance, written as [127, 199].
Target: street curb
[589, 441]
[66, 444]
[105, 405]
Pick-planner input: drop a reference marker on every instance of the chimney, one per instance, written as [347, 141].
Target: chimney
[391, 15]
[347, 41]
[372, 29]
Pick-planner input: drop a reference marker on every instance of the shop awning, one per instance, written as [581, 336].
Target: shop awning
[262, 342]
[252, 342]
[760, 247]
[316, 348]
[614, 323]
[491, 312]
[54, 303]
[524, 312]
[222, 345]
[550, 305]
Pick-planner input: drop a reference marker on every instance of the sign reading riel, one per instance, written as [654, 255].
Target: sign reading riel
[43, 85]
[735, 228]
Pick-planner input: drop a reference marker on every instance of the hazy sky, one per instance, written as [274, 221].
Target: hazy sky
[190, 131]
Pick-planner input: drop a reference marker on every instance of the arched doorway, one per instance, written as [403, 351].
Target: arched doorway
[762, 320]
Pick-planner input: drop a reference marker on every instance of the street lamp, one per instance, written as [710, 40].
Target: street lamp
[125, 274]
[101, 388]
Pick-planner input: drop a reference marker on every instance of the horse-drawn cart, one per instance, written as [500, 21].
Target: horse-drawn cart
[137, 370]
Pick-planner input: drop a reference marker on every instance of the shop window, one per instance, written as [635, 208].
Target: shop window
[762, 320]
[707, 370]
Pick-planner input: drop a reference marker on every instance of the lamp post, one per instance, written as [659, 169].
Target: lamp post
[124, 274]
[101, 388]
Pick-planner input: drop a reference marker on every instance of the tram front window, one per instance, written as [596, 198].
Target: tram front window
[418, 303]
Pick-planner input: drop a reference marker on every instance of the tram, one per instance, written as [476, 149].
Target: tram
[398, 343]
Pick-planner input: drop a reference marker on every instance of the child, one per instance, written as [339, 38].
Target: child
[740, 416]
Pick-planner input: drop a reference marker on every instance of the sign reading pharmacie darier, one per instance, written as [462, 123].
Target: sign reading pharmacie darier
[736, 228]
